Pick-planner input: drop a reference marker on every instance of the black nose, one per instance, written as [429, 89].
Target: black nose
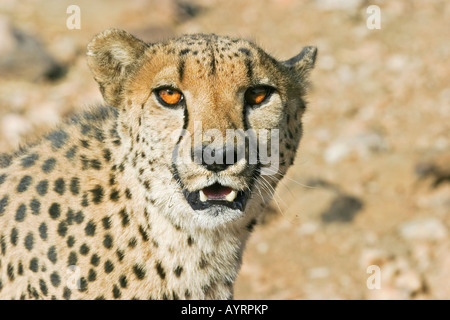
[215, 159]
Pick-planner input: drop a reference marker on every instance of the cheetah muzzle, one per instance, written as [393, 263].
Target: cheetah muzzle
[154, 195]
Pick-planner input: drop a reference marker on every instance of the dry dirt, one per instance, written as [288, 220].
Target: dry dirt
[370, 188]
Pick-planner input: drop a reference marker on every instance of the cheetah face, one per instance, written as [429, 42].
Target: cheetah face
[201, 103]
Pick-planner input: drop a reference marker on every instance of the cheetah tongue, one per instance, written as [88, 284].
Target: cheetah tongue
[217, 192]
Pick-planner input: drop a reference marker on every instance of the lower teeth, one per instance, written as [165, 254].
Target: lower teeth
[229, 197]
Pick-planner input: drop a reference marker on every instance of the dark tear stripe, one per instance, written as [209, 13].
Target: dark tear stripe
[248, 65]
[185, 125]
[181, 64]
[213, 57]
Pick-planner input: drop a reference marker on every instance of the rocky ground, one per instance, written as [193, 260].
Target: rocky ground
[370, 189]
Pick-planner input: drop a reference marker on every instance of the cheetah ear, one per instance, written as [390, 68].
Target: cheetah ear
[304, 62]
[112, 56]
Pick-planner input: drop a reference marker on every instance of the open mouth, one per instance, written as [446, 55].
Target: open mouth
[216, 195]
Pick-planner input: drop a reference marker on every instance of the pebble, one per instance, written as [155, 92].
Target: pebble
[363, 144]
[348, 5]
[318, 273]
[423, 229]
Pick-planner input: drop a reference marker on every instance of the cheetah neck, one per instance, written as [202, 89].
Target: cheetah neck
[202, 261]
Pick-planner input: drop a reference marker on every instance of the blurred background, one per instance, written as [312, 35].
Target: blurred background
[371, 183]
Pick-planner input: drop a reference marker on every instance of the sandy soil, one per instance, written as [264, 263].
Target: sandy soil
[370, 185]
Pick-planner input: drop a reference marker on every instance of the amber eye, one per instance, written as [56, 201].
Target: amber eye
[170, 96]
[255, 96]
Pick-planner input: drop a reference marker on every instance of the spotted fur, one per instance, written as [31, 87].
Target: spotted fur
[96, 209]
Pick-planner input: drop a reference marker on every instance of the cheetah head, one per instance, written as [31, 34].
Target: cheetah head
[205, 109]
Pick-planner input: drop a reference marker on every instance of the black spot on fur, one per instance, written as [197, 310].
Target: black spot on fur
[21, 213]
[79, 217]
[20, 268]
[109, 266]
[75, 186]
[92, 275]
[49, 165]
[3, 178]
[95, 260]
[29, 241]
[139, 271]
[57, 138]
[108, 241]
[116, 292]
[29, 160]
[35, 206]
[24, 184]
[67, 293]
[83, 285]
[3, 244]
[3, 203]
[55, 279]
[43, 287]
[62, 228]
[84, 162]
[70, 154]
[54, 211]
[107, 155]
[97, 194]
[5, 160]
[32, 292]
[178, 271]
[112, 179]
[85, 128]
[52, 255]
[114, 195]
[84, 249]
[70, 216]
[190, 241]
[123, 281]
[34, 265]
[120, 255]
[132, 243]
[60, 186]
[10, 271]
[42, 188]
[184, 51]
[143, 233]
[43, 231]
[85, 201]
[14, 236]
[96, 164]
[90, 228]
[73, 259]
[84, 143]
[160, 270]
[125, 218]
[106, 222]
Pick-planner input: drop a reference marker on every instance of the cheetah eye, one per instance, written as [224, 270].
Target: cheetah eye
[169, 96]
[257, 95]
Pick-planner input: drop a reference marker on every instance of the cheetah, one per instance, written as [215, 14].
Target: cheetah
[101, 208]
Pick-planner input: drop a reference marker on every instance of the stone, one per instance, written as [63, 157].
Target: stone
[423, 229]
[363, 144]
